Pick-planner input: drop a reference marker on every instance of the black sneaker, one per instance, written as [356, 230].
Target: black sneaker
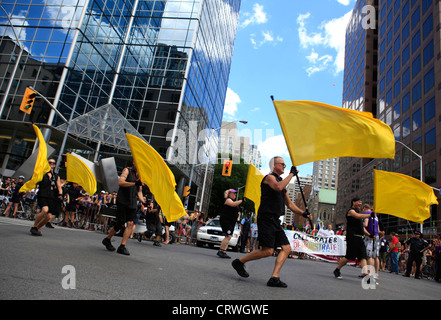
[223, 255]
[106, 242]
[157, 244]
[276, 282]
[239, 267]
[337, 273]
[49, 225]
[34, 231]
[123, 250]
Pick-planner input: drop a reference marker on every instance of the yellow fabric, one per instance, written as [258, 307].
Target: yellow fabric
[41, 165]
[155, 173]
[402, 196]
[252, 189]
[315, 131]
[78, 172]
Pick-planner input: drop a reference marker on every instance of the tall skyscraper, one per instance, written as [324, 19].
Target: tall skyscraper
[390, 71]
[164, 65]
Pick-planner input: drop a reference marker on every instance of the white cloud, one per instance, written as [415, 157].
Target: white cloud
[273, 146]
[267, 37]
[344, 2]
[331, 35]
[231, 101]
[318, 63]
[258, 16]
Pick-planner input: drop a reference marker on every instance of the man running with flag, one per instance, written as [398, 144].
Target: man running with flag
[130, 187]
[271, 235]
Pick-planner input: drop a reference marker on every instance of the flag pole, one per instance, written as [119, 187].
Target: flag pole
[298, 181]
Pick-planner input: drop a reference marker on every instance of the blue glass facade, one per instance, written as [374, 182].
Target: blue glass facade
[162, 64]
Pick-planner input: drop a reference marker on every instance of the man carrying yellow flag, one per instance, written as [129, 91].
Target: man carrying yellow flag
[155, 173]
[130, 187]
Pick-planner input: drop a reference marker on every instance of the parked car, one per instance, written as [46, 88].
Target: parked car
[212, 235]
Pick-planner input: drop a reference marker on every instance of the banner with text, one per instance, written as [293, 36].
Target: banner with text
[316, 245]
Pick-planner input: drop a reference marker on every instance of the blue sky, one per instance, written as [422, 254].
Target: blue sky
[293, 50]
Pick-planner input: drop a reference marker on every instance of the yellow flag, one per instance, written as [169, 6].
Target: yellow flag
[402, 196]
[41, 165]
[155, 173]
[315, 131]
[77, 171]
[252, 189]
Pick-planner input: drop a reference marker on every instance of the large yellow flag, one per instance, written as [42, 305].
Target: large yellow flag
[252, 189]
[315, 131]
[77, 171]
[155, 173]
[402, 196]
[41, 165]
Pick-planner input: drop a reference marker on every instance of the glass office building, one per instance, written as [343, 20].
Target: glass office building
[164, 65]
[406, 51]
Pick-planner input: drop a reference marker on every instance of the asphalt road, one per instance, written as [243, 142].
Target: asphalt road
[43, 268]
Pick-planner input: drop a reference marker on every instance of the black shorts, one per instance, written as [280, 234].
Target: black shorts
[355, 248]
[71, 207]
[15, 198]
[227, 226]
[271, 234]
[125, 214]
[54, 205]
[155, 227]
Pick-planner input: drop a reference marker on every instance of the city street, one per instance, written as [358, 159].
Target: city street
[35, 268]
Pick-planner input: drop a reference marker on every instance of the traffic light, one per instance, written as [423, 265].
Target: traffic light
[186, 191]
[226, 170]
[28, 101]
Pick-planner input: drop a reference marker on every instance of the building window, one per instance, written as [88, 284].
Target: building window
[427, 26]
[428, 52]
[406, 102]
[416, 66]
[406, 127]
[416, 120]
[416, 41]
[429, 80]
[430, 172]
[416, 92]
[429, 109]
[429, 141]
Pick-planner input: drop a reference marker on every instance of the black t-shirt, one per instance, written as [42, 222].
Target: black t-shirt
[47, 188]
[354, 225]
[416, 245]
[272, 202]
[127, 195]
[74, 194]
[229, 213]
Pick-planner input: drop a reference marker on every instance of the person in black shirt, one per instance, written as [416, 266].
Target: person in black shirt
[130, 187]
[49, 197]
[73, 196]
[356, 249]
[416, 247]
[228, 219]
[271, 235]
